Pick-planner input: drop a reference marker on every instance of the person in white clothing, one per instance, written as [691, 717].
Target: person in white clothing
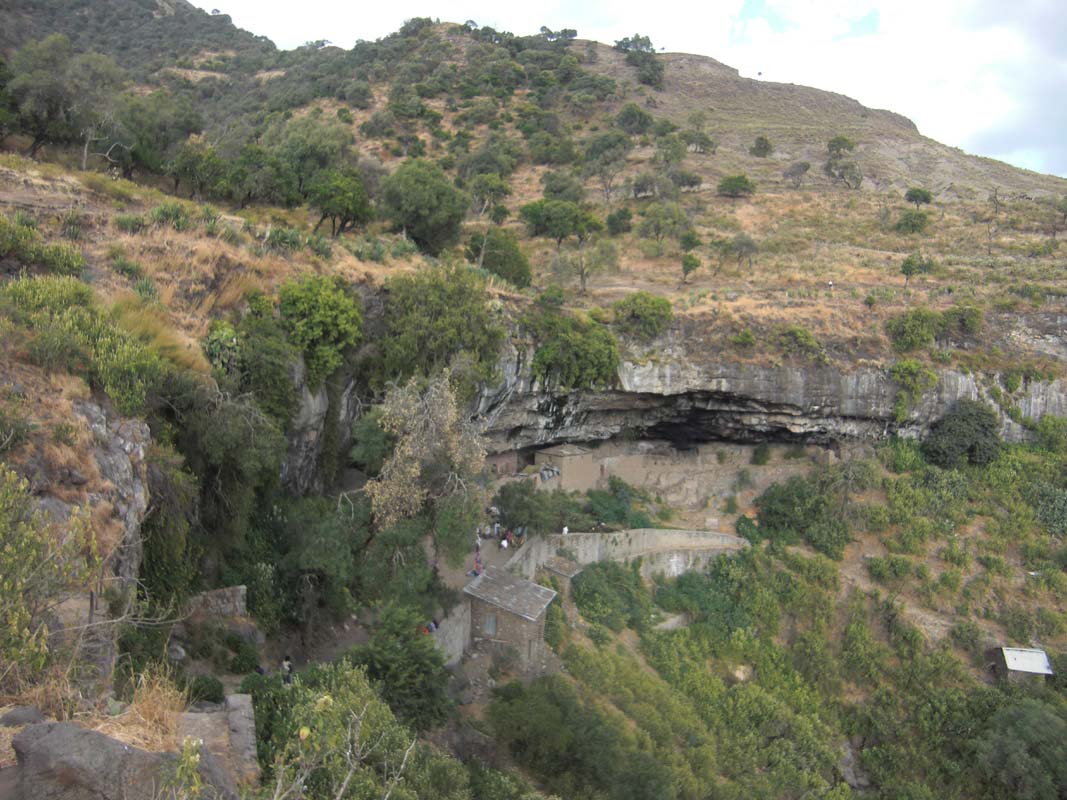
[566, 530]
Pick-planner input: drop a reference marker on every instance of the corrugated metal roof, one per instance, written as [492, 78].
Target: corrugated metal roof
[1025, 659]
[511, 593]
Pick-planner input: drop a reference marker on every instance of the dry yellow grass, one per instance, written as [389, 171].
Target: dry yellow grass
[150, 721]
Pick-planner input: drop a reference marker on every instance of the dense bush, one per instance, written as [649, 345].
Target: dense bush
[23, 243]
[612, 595]
[803, 509]
[205, 688]
[643, 315]
[968, 433]
[497, 250]
[434, 315]
[322, 319]
[914, 329]
[572, 354]
[736, 186]
[420, 200]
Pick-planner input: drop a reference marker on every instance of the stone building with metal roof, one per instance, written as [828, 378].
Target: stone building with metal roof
[1021, 663]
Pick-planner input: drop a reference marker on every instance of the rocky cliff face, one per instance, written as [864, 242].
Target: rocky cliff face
[666, 392]
[308, 430]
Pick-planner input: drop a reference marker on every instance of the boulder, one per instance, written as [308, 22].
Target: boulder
[21, 715]
[60, 761]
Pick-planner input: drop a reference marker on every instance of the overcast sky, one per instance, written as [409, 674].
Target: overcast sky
[989, 76]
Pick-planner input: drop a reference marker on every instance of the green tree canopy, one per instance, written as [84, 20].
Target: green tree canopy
[633, 119]
[918, 196]
[968, 433]
[407, 668]
[736, 186]
[433, 315]
[321, 319]
[340, 197]
[420, 199]
[498, 251]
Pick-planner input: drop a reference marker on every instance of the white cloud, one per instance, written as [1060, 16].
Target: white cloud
[978, 74]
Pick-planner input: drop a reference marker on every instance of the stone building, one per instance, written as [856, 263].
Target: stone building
[509, 611]
[1017, 664]
[570, 467]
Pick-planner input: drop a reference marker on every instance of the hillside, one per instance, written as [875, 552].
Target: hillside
[295, 321]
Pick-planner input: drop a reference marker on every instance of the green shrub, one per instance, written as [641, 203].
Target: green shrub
[205, 688]
[497, 250]
[761, 454]
[968, 433]
[912, 222]
[643, 315]
[914, 329]
[761, 148]
[619, 221]
[572, 354]
[172, 214]
[321, 318]
[284, 239]
[130, 223]
[245, 658]
[736, 186]
[913, 378]
[610, 594]
[745, 339]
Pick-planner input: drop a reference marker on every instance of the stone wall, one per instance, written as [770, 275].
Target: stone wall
[512, 631]
[669, 552]
[230, 601]
[453, 634]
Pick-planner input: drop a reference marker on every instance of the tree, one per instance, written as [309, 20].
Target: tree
[741, 246]
[148, 130]
[796, 171]
[438, 454]
[915, 264]
[420, 200]
[407, 668]
[1023, 752]
[690, 264]
[663, 219]
[968, 433]
[912, 222]
[498, 251]
[917, 196]
[340, 197]
[197, 162]
[59, 96]
[488, 190]
[698, 141]
[605, 157]
[431, 317]
[762, 147]
[736, 186]
[641, 54]
[600, 257]
[558, 220]
[308, 145]
[321, 318]
[634, 120]
[838, 167]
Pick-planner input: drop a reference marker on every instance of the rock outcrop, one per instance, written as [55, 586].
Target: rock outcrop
[667, 392]
[60, 761]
